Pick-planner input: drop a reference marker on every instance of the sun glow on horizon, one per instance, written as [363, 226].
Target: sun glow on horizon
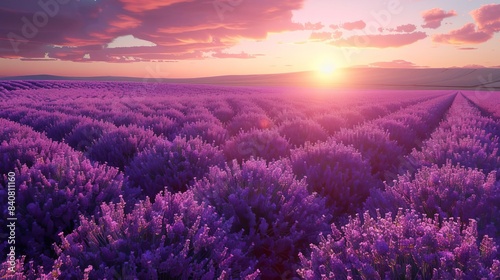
[326, 72]
[327, 68]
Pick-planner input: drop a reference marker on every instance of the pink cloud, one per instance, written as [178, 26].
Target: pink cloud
[380, 41]
[406, 28]
[320, 36]
[313, 26]
[394, 64]
[434, 17]
[354, 25]
[487, 17]
[467, 49]
[141, 6]
[123, 22]
[487, 22]
[324, 36]
[464, 35]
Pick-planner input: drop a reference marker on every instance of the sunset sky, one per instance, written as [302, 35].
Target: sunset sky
[194, 38]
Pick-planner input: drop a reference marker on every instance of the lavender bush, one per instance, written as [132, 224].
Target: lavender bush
[448, 191]
[331, 122]
[172, 165]
[61, 129]
[118, 147]
[257, 143]
[275, 212]
[162, 126]
[175, 237]
[86, 133]
[210, 132]
[336, 172]
[399, 132]
[374, 144]
[406, 246]
[248, 121]
[300, 131]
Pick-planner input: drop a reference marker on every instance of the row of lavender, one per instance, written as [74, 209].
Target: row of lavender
[348, 165]
[488, 101]
[446, 224]
[253, 216]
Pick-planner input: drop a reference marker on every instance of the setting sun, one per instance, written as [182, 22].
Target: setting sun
[327, 69]
[326, 73]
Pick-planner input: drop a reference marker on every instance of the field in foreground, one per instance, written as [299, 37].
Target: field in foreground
[165, 181]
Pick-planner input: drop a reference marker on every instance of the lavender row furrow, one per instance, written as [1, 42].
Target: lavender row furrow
[487, 101]
[260, 137]
[465, 168]
[465, 138]
[346, 167]
[454, 174]
[386, 140]
[438, 221]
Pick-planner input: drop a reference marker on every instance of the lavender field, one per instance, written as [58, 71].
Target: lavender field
[122, 180]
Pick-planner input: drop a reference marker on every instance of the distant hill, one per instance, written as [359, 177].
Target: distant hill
[424, 78]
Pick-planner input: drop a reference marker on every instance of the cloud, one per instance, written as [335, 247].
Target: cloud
[406, 28]
[242, 55]
[336, 34]
[141, 6]
[177, 29]
[434, 17]
[487, 18]
[467, 49]
[320, 36]
[129, 41]
[394, 64]
[354, 25]
[312, 26]
[123, 22]
[487, 22]
[464, 35]
[324, 36]
[380, 41]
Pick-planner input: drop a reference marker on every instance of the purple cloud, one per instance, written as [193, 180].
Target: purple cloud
[69, 30]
